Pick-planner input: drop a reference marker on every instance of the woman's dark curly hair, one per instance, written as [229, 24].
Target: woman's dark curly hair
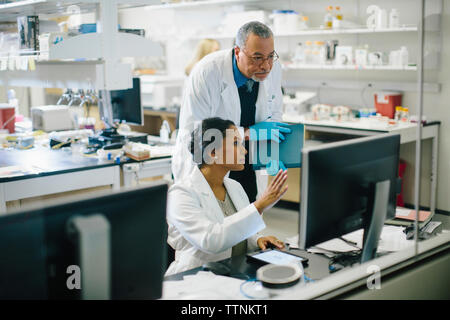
[198, 134]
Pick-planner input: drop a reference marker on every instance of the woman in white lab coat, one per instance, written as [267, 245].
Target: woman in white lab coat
[209, 215]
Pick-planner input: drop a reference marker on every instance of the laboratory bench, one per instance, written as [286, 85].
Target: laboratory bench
[41, 171]
[324, 131]
[317, 270]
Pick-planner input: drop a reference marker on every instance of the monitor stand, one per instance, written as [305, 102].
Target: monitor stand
[372, 230]
[92, 237]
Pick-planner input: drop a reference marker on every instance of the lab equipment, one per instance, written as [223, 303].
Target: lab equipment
[361, 56]
[328, 19]
[375, 58]
[308, 52]
[404, 56]
[398, 113]
[394, 19]
[49, 40]
[405, 115]
[164, 132]
[7, 117]
[338, 13]
[28, 28]
[321, 111]
[382, 19]
[122, 105]
[279, 276]
[344, 55]
[386, 101]
[112, 246]
[12, 100]
[159, 94]
[299, 56]
[331, 49]
[356, 189]
[304, 23]
[53, 118]
[285, 21]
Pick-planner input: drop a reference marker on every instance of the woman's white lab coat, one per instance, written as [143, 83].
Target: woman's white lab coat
[210, 91]
[198, 229]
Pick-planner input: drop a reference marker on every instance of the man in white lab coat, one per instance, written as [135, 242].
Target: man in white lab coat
[243, 85]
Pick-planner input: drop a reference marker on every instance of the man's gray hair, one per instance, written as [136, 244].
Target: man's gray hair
[257, 28]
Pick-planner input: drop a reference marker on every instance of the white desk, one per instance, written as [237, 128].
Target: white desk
[361, 128]
[58, 172]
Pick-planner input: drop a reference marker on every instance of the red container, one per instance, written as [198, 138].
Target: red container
[7, 117]
[385, 103]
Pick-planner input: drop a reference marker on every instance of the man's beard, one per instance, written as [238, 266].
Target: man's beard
[254, 78]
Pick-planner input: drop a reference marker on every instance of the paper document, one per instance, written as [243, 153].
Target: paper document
[204, 285]
[392, 239]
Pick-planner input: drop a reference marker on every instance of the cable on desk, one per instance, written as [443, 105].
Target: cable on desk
[241, 288]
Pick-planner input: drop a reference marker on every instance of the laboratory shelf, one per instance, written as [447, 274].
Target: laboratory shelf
[98, 74]
[319, 32]
[202, 3]
[349, 67]
[10, 11]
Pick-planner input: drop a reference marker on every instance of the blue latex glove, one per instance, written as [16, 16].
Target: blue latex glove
[274, 166]
[274, 131]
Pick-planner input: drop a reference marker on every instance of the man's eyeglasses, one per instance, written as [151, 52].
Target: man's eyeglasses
[259, 59]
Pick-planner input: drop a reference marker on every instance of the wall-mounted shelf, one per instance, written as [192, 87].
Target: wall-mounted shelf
[9, 11]
[89, 46]
[349, 67]
[319, 32]
[204, 3]
[71, 74]
[100, 53]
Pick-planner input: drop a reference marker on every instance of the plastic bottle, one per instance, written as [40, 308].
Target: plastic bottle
[164, 132]
[394, 21]
[338, 17]
[338, 14]
[12, 101]
[404, 56]
[299, 57]
[308, 52]
[328, 20]
[304, 23]
[405, 115]
[398, 113]
[321, 56]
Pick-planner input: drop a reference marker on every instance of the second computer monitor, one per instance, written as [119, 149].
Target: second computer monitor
[338, 186]
[126, 104]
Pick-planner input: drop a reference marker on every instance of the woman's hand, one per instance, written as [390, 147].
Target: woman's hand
[265, 242]
[273, 193]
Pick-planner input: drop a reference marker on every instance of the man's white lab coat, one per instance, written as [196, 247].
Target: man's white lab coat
[211, 91]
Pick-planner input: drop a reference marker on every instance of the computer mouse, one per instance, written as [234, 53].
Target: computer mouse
[217, 268]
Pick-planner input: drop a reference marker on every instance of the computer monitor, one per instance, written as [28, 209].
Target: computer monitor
[346, 186]
[123, 106]
[107, 247]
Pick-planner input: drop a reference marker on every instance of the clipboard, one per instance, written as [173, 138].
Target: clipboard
[289, 150]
